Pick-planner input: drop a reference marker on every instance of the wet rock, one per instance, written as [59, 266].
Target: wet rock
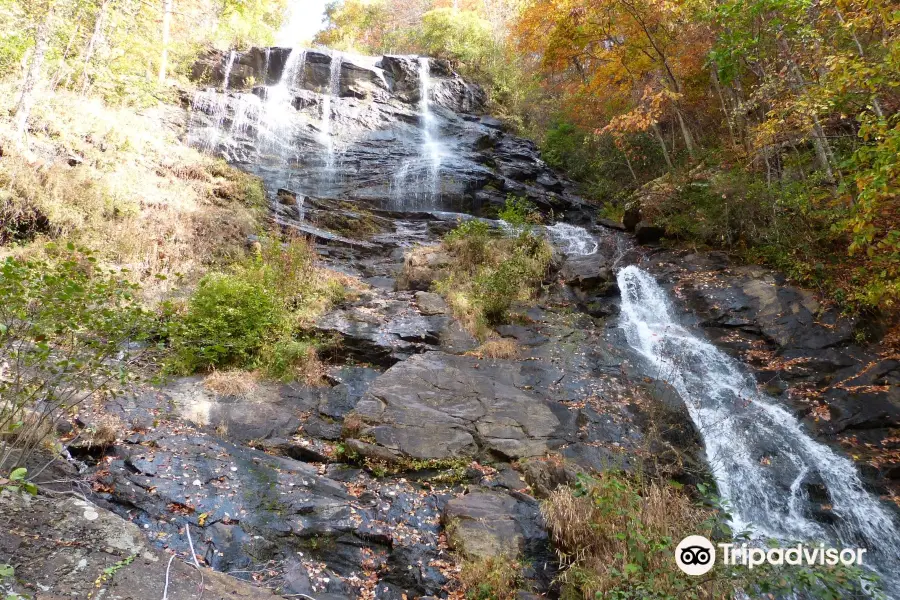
[430, 304]
[361, 79]
[632, 216]
[545, 475]
[390, 330]
[586, 272]
[422, 268]
[648, 234]
[485, 523]
[100, 547]
[438, 406]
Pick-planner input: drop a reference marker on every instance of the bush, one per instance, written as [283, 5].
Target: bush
[227, 322]
[491, 578]
[65, 326]
[519, 213]
[489, 273]
[257, 315]
[616, 536]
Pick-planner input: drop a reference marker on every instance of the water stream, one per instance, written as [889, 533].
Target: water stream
[573, 240]
[333, 91]
[763, 460]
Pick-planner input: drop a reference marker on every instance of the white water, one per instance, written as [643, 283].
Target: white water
[573, 240]
[417, 183]
[275, 116]
[333, 91]
[758, 452]
[431, 145]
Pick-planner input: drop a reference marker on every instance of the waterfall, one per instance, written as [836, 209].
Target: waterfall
[431, 146]
[228, 66]
[215, 104]
[758, 452]
[276, 115]
[333, 91]
[573, 240]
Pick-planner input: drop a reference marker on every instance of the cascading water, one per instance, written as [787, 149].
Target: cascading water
[417, 183]
[573, 240]
[758, 452]
[276, 116]
[333, 91]
[431, 146]
[215, 104]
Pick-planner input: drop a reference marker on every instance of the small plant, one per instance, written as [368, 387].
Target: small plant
[256, 315]
[491, 578]
[67, 329]
[489, 273]
[18, 480]
[616, 535]
[519, 213]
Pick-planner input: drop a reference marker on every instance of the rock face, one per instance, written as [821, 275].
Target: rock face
[94, 551]
[438, 406]
[393, 152]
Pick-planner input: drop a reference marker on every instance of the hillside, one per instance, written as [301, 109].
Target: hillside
[482, 300]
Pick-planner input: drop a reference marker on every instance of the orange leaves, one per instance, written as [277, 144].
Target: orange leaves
[619, 64]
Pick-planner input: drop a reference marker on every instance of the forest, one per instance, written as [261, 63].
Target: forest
[462, 299]
[766, 128]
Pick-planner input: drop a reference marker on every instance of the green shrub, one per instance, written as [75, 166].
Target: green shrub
[469, 241]
[227, 322]
[257, 315]
[519, 213]
[65, 328]
[489, 273]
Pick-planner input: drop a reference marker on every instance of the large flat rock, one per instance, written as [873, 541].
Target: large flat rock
[69, 548]
[438, 406]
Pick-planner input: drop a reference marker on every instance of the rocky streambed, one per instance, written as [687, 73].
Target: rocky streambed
[420, 449]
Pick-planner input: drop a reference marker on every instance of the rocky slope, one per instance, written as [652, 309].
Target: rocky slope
[420, 449]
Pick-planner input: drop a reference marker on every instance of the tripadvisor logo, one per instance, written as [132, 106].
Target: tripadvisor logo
[696, 555]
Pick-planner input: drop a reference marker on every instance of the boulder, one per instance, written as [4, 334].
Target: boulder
[431, 304]
[648, 234]
[632, 216]
[485, 523]
[441, 406]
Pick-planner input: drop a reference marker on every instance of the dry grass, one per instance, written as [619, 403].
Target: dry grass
[619, 522]
[352, 426]
[503, 348]
[491, 578]
[34, 430]
[232, 383]
[105, 431]
[310, 369]
[123, 184]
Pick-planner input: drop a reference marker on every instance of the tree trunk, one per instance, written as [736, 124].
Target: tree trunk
[164, 56]
[33, 75]
[686, 134]
[62, 64]
[662, 143]
[820, 142]
[714, 76]
[92, 44]
[630, 168]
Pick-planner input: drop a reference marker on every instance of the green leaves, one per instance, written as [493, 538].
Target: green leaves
[62, 321]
